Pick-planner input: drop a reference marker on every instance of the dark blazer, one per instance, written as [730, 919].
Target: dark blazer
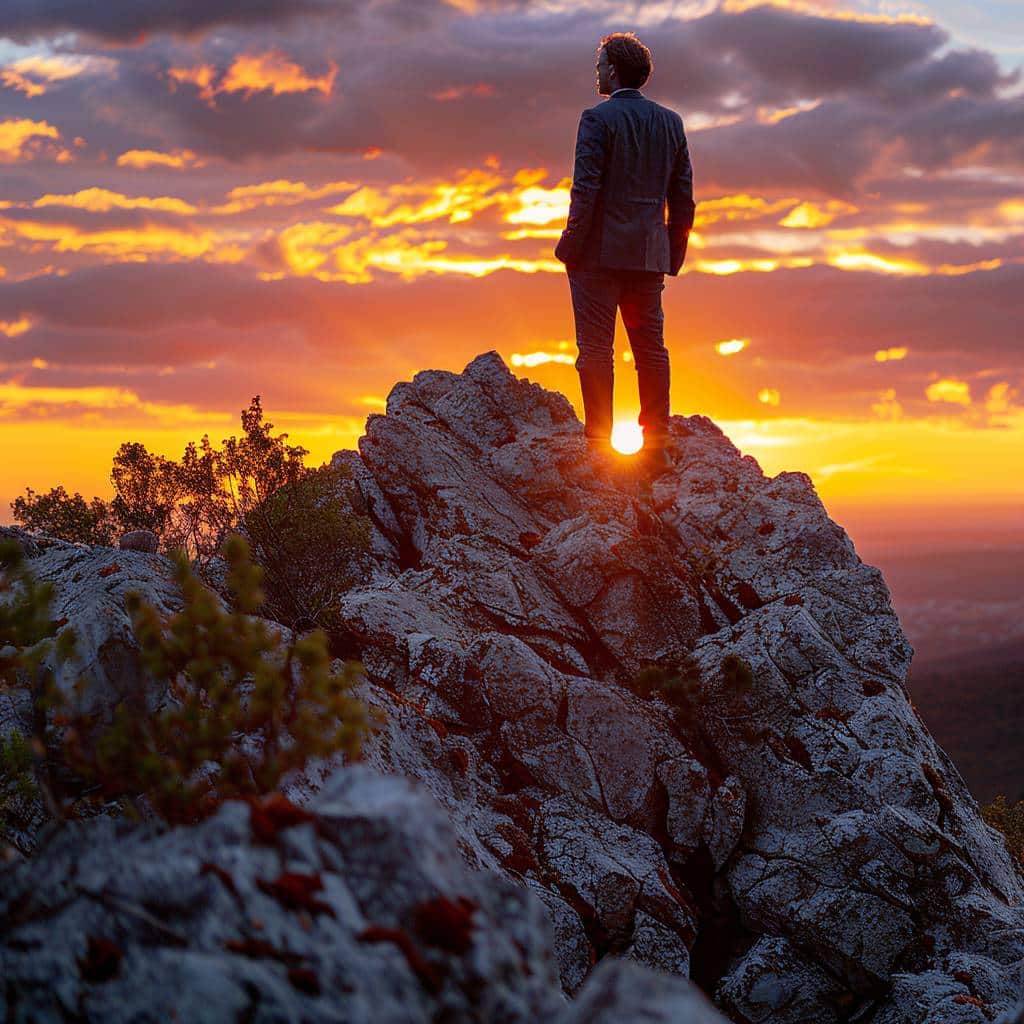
[631, 160]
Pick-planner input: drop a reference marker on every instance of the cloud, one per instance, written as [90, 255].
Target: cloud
[35, 73]
[101, 199]
[20, 138]
[144, 158]
[250, 73]
[130, 21]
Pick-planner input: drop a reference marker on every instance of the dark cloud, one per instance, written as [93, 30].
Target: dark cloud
[887, 91]
[809, 55]
[131, 21]
[816, 318]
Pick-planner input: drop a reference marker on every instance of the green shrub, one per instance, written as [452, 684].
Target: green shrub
[245, 707]
[676, 682]
[1009, 820]
[191, 504]
[309, 536]
[64, 515]
[679, 682]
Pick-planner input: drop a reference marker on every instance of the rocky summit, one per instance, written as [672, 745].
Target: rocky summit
[657, 753]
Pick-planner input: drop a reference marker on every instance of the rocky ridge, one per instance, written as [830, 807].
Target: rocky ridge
[803, 852]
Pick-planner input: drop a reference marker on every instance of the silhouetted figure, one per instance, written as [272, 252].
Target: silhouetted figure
[631, 160]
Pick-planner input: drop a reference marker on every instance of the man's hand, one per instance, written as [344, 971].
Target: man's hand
[564, 254]
[677, 253]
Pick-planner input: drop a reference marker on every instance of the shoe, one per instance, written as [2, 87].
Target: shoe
[656, 460]
[600, 446]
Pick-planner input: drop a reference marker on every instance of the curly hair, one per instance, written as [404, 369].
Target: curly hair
[631, 58]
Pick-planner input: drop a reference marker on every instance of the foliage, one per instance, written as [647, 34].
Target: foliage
[66, 515]
[17, 778]
[679, 682]
[1009, 820]
[147, 489]
[308, 536]
[191, 504]
[26, 635]
[245, 707]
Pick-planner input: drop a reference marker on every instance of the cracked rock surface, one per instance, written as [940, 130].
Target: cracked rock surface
[801, 849]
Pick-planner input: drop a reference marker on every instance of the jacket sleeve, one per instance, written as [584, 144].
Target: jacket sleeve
[587, 177]
[681, 207]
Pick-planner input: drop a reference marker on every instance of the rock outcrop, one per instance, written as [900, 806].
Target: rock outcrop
[800, 848]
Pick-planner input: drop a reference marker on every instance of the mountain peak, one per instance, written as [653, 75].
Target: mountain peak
[675, 718]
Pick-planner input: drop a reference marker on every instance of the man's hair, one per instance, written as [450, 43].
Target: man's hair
[631, 58]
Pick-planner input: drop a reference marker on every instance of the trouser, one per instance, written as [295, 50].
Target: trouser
[596, 294]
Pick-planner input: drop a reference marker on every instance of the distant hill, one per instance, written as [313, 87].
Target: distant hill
[972, 704]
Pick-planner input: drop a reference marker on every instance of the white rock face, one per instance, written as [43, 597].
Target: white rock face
[803, 851]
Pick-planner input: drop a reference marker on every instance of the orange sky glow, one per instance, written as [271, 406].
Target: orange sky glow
[196, 212]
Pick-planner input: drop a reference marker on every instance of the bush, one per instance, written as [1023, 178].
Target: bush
[679, 682]
[245, 708]
[1009, 820]
[676, 682]
[26, 636]
[69, 516]
[192, 504]
[309, 536]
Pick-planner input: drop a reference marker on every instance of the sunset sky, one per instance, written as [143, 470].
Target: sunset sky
[311, 200]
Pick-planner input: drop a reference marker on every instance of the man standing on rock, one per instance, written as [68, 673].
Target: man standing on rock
[631, 160]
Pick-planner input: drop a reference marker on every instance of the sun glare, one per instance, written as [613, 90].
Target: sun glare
[627, 437]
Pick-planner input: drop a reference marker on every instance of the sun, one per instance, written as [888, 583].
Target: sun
[627, 437]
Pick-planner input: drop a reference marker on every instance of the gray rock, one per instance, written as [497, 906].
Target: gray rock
[803, 848]
[140, 540]
[622, 990]
[365, 912]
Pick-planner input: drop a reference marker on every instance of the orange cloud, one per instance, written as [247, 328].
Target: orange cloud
[12, 328]
[458, 201]
[1001, 398]
[536, 205]
[281, 192]
[732, 346]
[201, 77]
[884, 355]
[19, 137]
[337, 252]
[764, 266]
[887, 408]
[769, 396]
[824, 9]
[539, 358]
[143, 158]
[773, 115]
[129, 243]
[251, 73]
[739, 207]
[948, 389]
[814, 215]
[458, 92]
[31, 75]
[99, 200]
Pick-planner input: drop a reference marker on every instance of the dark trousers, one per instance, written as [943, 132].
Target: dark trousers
[596, 294]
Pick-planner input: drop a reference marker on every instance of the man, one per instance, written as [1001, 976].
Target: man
[631, 160]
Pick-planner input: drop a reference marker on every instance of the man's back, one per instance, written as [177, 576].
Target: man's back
[631, 159]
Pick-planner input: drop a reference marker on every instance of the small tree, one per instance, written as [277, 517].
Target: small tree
[192, 504]
[309, 535]
[64, 515]
[147, 489]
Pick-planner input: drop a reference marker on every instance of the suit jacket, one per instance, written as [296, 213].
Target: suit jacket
[631, 162]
